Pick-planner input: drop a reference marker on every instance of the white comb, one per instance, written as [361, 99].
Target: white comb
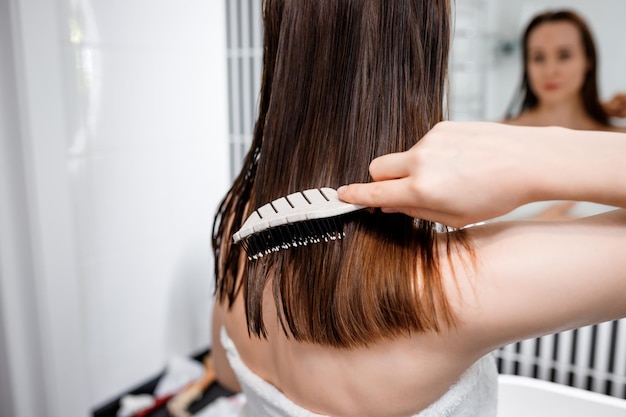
[295, 220]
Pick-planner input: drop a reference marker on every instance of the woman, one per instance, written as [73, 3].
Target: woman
[559, 84]
[397, 318]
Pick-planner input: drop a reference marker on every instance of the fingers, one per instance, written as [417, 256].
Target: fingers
[616, 106]
[389, 194]
[390, 166]
[372, 195]
[388, 190]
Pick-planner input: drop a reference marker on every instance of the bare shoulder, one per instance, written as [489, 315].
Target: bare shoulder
[532, 278]
[523, 119]
[511, 122]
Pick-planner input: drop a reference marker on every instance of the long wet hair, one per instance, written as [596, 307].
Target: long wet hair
[344, 81]
[525, 99]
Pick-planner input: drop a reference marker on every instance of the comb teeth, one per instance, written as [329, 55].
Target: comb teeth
[291, 235]
[299, 219]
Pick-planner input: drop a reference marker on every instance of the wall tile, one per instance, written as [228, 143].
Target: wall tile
[155, 23]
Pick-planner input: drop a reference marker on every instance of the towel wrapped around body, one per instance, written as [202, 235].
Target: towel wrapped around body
[473, 395]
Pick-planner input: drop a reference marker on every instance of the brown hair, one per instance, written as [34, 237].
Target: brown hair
[343, 82]
[589, 91]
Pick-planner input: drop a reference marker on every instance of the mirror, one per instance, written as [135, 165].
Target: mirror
[486, 58]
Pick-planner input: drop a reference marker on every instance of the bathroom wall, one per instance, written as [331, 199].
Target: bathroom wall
[147, 165]
[113, 159]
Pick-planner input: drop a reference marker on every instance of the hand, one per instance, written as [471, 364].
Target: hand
[616, 106]
[457, 174]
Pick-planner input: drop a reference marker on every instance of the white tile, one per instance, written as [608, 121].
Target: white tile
[196, 184]
[81, 194]
[149, 98]
[125, 303]
[189, 301]
[128, 200]
[147, 165]
[140, 22]
[76, 104]
[143, 306]
[131, 197]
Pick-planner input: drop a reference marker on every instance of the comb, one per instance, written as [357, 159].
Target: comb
[299, 219]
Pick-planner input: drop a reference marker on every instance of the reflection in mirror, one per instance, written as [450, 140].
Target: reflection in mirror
[486, 59]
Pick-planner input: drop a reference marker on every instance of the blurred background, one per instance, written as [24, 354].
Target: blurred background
[122, 123]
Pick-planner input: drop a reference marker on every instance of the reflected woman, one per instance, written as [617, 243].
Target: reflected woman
[559, 84]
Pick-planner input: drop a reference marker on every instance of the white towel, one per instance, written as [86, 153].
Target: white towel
[473, 395]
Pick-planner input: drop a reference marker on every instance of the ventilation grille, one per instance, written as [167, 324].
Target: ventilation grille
[591, 358]
[244, 43]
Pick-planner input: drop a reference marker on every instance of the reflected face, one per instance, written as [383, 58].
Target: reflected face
[557, 64]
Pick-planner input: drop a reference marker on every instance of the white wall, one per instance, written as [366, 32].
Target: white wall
[115, 122]
[20, 360]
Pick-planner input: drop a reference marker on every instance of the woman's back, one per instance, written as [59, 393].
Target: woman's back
[531, 278]
[512, 293]
[399, 377]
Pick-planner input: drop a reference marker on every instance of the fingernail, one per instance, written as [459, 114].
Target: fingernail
[342, 189]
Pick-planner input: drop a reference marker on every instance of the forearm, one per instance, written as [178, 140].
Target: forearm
[466, 172]
[577, 165]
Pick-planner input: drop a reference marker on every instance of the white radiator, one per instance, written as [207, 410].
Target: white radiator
[591, 358]
[244, 56]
